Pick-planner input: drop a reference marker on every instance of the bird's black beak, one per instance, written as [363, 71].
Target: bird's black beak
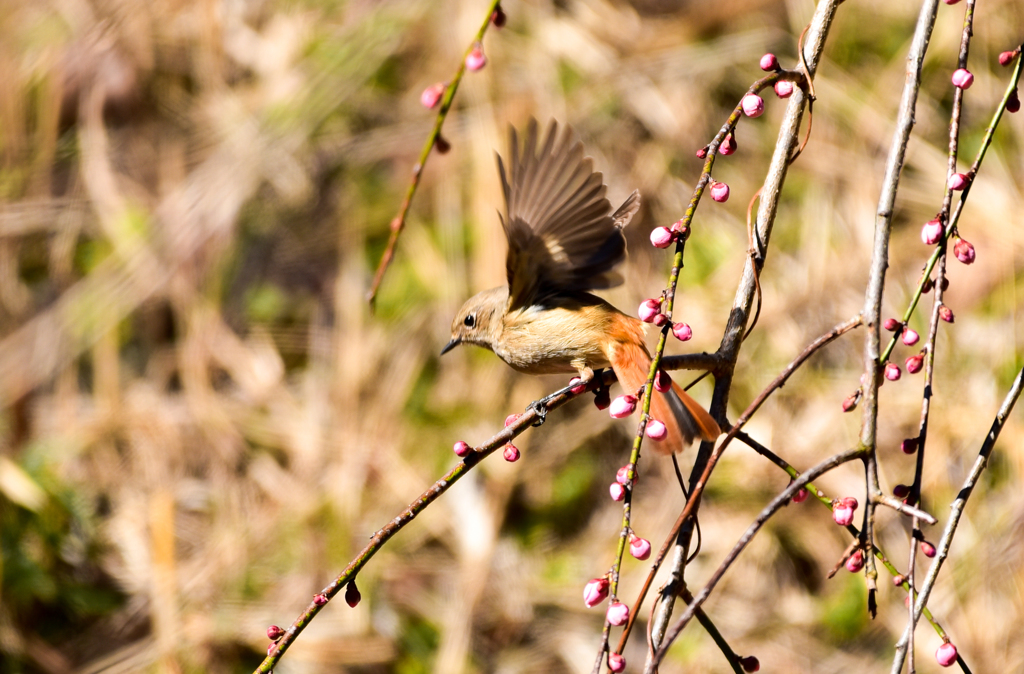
[451, 345]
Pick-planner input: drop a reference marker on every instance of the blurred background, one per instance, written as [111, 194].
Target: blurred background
[201, 422]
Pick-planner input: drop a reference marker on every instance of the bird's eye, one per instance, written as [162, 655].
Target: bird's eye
[470, 320]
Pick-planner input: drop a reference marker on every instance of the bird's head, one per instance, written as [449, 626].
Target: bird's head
[479, 320]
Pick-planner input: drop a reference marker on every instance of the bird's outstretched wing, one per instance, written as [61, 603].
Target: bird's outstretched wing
[562, 234]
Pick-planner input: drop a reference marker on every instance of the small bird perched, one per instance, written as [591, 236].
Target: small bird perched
[563, 240]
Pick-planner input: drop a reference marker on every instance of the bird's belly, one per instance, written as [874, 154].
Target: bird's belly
[554, 341]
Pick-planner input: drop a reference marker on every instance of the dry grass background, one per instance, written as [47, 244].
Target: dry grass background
[201, 422]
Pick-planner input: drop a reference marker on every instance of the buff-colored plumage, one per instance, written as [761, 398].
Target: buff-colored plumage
[564, 240]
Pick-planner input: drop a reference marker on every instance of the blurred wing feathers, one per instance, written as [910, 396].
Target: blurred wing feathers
[561, 233]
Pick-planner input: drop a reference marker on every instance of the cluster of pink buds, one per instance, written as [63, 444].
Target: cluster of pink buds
[649, 310]
[663, 237]
[843, 509]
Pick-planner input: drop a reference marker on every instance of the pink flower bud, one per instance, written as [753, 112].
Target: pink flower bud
[441, 145]
[910, 337]
[914, 364]
[461, 449]
[622, 475]
[783, 88]
[682, 332]
[719, 192]
[662, 237]
[891, 324]
[928, 549]
[855, 562]
[750, 664]
[476, 60]
[901, 491]
[728, 145]
[962, 78]
[909, 445]
[964, 251]
[616, 663]
[932, 232]
[957, 182]
[898, 579]
[577, 389]
[511, 419]
[274, 633]
[850, 403]
[639, 547]
[431, 96]
[951, 2]
[842, 511]
[656, 430]
[660, 319]
[800, 496]
[648, 310]
[662, 382]
[769, 62]
[622, 406]
[602, 399]
[1006, 58]
[753, 105]
[320, 599]
[616, 491]
[1013, 102]
[703, 152]
[945, 655]
[271, 648]
[946, 314]
[617, 614]
[352, 595]
[927, 286]
[892, 371]
[498, 18]
[595, 592]
[680, 228]
[511, 452]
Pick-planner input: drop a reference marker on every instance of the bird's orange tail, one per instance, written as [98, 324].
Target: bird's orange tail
[685, 419]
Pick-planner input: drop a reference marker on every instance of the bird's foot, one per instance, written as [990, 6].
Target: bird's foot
[540, 408]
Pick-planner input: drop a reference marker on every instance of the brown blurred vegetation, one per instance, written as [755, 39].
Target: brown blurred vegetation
[200, 421]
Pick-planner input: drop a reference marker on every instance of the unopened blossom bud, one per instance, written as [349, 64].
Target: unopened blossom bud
[595, 592]
[891, 324]
[431, 96]
[801, 495]
[1006, 58]
[927, 286]
[928, 549]
[511, 452]
[910, 337]
[783, 88]
[662, 382]
[320, 599]
[750, 664]
[850, 402]
[441, 145]
[901, 491]
[461, 449]
[951, 2]
[892, 371]
[682, 332]
[616, 491]
[656, 430]
[271, 648]
[475, 59]
[932, 232]
[964, 251]
[622, 406]
[728, 145]
[616, 663]
[703, 152]
[640, 548]
[855, 562]
[1013, 102]
[769, 62]
[580, 388]
[274, 633]
[914, 363]
[842, 511]
[602, 399]
[648, 310]
[909, 445]
[660, 319]
[946, 314]
[511, 419]
[898, 579]
[945, 655]
[957, 182]
[498, 18]
[662, 237]
[352, 595]
[680, 229]
[617, 614]
[962, 78]
[719, 192]
[622, 475]
[753, 105]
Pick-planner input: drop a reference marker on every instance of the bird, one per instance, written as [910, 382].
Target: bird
[564, 240]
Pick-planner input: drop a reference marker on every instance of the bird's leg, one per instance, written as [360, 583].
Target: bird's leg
[540, 407]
